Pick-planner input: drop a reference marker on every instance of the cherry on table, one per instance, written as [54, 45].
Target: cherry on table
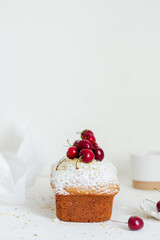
[158, 206]
[135, 223]
[72, 152]
[84, 144]
[86, 155]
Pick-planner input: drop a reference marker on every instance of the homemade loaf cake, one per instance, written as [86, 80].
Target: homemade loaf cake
[84, 193]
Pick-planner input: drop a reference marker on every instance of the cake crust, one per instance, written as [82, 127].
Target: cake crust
[83, 208]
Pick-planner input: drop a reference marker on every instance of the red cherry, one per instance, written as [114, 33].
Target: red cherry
[86, 155]
[90, 137]
[95, 145]
[72, 152]
[86, 131]
[76, 143]
[135, 223]
[99, 154]
[84, 144]
[158, 206]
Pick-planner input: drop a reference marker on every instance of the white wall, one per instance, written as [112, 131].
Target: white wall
[71, 65]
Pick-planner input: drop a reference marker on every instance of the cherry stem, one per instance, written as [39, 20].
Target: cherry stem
[118, 221]
[60, 162]
[157, 189]
[77, 162]
[150, 201]
[69, 143]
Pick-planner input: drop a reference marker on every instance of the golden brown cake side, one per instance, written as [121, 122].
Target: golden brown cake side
[83, 208]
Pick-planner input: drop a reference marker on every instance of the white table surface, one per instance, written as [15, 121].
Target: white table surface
[36, 218]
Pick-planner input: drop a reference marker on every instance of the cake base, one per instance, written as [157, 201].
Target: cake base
[84, 208]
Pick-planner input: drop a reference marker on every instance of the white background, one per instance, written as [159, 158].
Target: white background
[71, 65]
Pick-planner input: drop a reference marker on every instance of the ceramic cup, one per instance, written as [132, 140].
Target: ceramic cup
[145, 170]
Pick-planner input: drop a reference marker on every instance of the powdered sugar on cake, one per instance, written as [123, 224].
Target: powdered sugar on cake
[95, 177]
